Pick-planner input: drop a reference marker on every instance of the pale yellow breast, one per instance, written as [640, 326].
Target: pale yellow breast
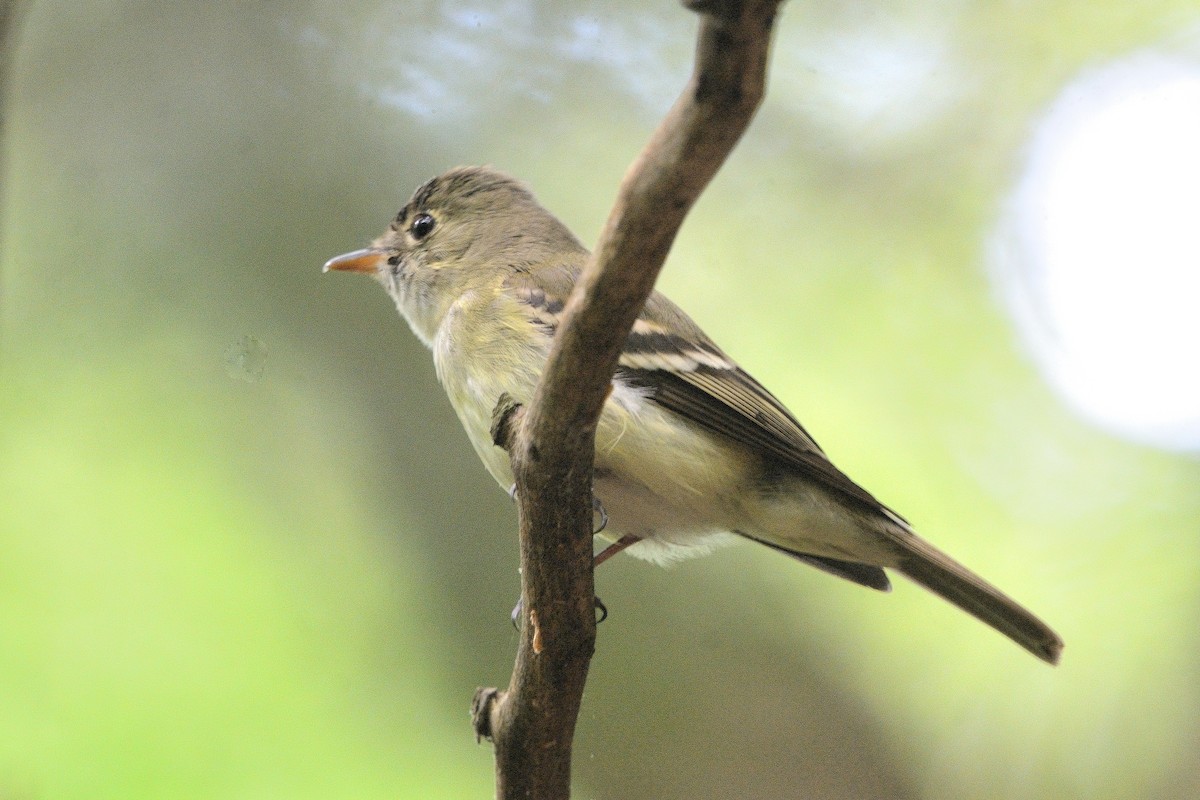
[484, 349]
[658, 476]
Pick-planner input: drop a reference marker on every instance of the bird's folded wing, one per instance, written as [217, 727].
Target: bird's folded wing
[683, 370]
[674, 362]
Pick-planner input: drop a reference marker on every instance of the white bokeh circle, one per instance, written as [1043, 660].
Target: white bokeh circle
[1098, 249]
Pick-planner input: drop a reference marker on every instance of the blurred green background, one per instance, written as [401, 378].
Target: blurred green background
[246, 552]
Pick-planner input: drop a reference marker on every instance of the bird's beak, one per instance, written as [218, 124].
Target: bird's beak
[367, 260]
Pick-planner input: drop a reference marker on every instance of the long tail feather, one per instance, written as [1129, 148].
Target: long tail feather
[943, 576]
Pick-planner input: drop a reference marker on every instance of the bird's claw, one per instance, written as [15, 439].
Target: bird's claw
[598, 508]
[597, 603]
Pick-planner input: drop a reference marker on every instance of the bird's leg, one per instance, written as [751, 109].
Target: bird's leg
[615, 547]
[607, 552]
[597, 508]
[600, 558]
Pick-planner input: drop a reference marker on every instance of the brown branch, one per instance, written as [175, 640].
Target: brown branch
[551, 442]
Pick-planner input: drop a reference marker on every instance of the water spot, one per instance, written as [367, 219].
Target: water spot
[246, 359]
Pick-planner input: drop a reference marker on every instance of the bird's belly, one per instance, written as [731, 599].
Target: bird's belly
[670, 530]
[664, 480]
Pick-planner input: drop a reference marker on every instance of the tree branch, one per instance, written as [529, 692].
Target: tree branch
[552, 441]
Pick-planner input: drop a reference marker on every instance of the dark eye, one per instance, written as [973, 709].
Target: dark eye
[422, 224]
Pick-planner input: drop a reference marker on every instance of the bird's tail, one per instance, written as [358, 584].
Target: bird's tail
[942, 575]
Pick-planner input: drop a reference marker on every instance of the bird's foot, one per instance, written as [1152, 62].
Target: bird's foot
[598, 509]
[597, 603]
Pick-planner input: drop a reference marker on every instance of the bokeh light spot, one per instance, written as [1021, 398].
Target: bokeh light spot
[1098, 250]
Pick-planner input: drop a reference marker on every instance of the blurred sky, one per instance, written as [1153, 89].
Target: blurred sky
[247, 551]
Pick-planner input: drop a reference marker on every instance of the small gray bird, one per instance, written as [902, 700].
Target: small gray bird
[690, 449]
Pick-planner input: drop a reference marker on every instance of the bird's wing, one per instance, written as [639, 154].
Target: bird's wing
[685, 371]
[674, 362]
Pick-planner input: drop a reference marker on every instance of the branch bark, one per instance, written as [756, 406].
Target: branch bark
[552, 441]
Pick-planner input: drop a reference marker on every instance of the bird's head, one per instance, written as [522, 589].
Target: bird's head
[461, 231]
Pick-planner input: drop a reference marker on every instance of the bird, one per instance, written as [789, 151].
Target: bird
[691, 451]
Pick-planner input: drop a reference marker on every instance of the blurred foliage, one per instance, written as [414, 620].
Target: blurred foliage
[220, 583]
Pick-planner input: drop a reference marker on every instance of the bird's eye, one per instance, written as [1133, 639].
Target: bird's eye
[422, 224]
